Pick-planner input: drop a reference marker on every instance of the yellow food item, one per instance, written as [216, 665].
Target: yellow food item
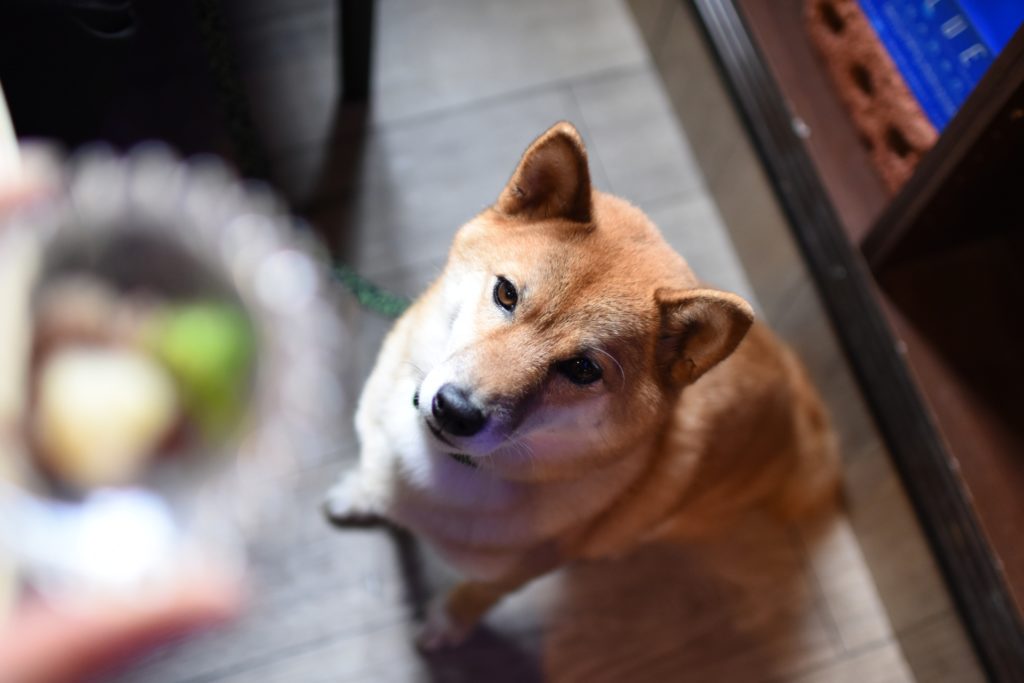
[101, 413]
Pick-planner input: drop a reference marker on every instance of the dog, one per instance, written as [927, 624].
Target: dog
[568, 389]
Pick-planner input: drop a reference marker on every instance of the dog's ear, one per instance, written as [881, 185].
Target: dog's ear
[699, 328]
[552, 179]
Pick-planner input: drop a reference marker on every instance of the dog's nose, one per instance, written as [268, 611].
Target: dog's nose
[455, 413]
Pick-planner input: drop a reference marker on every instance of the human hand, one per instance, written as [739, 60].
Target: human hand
[78, 639]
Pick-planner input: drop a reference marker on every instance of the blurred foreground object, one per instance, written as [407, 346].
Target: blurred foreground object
[169, 349]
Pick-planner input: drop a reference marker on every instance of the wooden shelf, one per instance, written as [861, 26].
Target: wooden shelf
[947, 256]
[963, 345]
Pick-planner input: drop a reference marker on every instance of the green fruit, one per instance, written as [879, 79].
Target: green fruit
[209, 349]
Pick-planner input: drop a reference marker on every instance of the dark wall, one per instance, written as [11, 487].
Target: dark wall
[115, 70]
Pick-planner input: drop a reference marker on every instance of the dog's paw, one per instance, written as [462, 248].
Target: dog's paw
[439, 630]
[348, 505]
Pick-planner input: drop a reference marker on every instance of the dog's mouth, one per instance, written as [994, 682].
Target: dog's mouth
[463, 459]
[438, 434]
[460, 458]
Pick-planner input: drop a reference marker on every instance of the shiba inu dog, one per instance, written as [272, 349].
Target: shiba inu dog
[567, 389]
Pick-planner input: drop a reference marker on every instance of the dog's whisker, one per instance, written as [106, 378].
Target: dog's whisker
[622, 373]
[512, 443]
[421, 371]
[527, 452]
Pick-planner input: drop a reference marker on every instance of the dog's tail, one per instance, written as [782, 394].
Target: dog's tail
[814, 483]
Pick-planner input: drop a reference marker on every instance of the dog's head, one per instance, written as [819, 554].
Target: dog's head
[570, 324]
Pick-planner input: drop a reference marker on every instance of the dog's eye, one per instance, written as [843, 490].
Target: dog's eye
[580, 370]
[505, 294]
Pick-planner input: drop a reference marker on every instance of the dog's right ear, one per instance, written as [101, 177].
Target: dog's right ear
[552, 179]
[699, 329]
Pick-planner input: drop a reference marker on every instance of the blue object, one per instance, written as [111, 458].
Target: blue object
[942, 48]
[996, 20]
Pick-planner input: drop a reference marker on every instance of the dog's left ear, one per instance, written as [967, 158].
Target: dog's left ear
[699, 329]
[552, 179]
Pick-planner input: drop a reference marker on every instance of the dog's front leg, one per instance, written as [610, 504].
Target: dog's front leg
[452, 617]
[362, 496]
[355, 501]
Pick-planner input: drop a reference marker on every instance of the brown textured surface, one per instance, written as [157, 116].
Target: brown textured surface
[892, 126]
[854, 186]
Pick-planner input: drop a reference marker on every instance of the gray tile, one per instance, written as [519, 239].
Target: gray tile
[891, 540]
[429, 57]
[697, 93]
[683, 40]
[408, 279]
[651, 18]
[366, 656]
[883, 663]
[804, 325]
[409, 188]
[728, 162]
[388, 655]
[938, 652]
[369, 329]
[301, 595]
[693, 227]
[435, 54]
[637, 138]
[846, 587]
[759, 231]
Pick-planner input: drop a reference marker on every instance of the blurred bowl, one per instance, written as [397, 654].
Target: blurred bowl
[180, 232]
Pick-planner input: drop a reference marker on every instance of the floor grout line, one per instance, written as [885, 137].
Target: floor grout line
[668, 8]
[299, 649]
[819, 588]
[399, 123]
[678, 197]
[925, 621]
[844, 656]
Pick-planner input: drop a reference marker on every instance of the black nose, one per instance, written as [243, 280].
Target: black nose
[455, 413]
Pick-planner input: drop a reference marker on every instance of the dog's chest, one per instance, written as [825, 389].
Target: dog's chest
[470, 506]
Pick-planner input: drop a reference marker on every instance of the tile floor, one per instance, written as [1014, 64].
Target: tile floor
[460, 88]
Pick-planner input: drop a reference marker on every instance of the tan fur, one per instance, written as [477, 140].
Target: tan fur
[700, 413]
